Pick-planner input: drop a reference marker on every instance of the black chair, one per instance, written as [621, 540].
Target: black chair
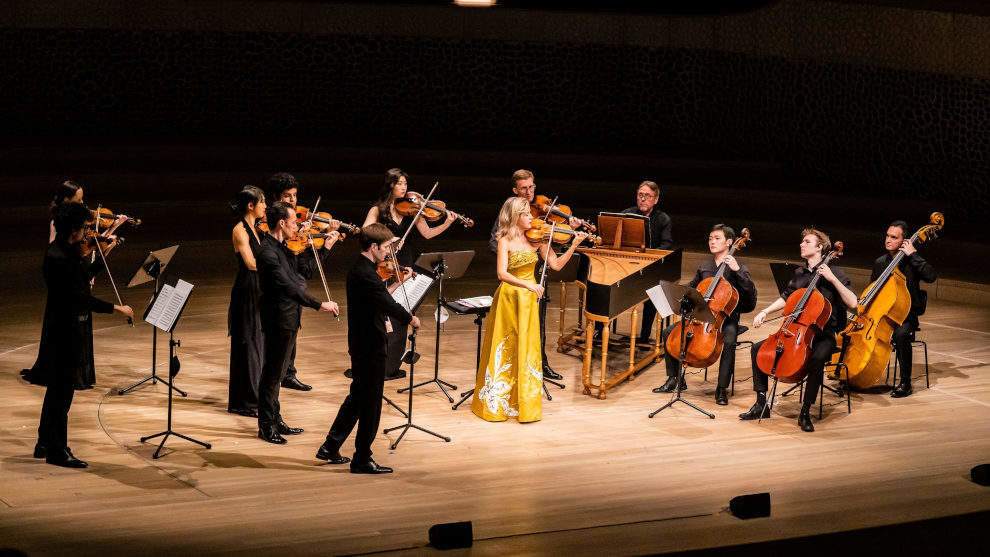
[914, 343]
[821, 394]
[749, 344]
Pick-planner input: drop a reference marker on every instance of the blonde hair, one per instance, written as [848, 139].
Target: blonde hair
[509, 215]
[520, 175]
[823, 239]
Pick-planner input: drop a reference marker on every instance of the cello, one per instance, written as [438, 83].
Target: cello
[705, 346]
[784, 354]
[866, 341]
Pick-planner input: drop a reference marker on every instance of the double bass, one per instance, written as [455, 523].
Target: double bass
[784, 354]
[866, 341]
[705, 346]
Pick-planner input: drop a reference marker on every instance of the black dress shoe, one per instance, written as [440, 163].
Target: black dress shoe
[294, 383]
[670, 386]
[65, 459]
[804, 420]
[369, 467]
[759, 411]
[721, 396]
[399, 374]
[271, 435]
[332, 456]
[349, 373]
[284, 429]
[549, 373]
[40, 451]
[249, 412]
[902, 390]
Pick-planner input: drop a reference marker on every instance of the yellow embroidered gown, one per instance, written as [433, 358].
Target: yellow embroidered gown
[510, 377]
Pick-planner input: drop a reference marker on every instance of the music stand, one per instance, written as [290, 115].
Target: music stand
[151, 269]
[441, 265]
[164, 313]
[411, 358]
[692, 306]
[479, 318]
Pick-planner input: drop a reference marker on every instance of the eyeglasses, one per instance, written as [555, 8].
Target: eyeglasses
[645, 195]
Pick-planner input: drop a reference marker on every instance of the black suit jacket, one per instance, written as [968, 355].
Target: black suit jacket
[368, 304]
[915, 270]
[68, 308]
[283, 290]
[740, 280]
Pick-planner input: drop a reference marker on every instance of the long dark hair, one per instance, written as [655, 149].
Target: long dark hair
[65, 190]
[247, 195]
[384, 202]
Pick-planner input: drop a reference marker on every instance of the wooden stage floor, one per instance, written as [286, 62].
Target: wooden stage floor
[593, 477]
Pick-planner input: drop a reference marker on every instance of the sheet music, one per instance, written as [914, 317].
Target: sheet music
[660, 301]
[168, 304]
[414, 289]
[477, 302]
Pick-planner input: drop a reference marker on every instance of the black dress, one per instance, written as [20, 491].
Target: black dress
[246, 339]
[406, 258]
[44, 365]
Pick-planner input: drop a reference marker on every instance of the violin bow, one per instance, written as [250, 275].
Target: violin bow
[106, 266]
[553, 228]
[316, 256]
[420, 212]
[398, 275]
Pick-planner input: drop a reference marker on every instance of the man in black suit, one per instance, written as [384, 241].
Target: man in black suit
[67, 311]
[658, 237]
[283, 293]
[283, 186]
[915, 269]
[372, 313]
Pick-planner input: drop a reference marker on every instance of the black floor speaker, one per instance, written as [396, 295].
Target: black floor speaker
[981, 474]
[451, 535]
[750, 506]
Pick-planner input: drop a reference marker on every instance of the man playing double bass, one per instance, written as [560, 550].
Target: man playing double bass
[720, 240]
[915, 269]
[835, 288]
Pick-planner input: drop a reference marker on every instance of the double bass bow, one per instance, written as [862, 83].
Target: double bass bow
[784, 355]
[866, 340]
[705, 346]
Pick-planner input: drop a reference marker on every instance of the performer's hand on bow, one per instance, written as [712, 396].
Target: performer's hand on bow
[330, 307]
[415, 322]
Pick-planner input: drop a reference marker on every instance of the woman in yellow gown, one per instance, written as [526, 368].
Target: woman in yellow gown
[510, 377]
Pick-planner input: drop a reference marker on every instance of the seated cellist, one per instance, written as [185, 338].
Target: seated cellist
[835, 289]
[720, 240]
[915, 269]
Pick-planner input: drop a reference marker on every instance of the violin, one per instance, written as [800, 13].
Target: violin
[321, 221]
[433, 210]
[884, 305]
[705, 344]
[387, 271]
[539, 232]
[90, 238]
[300, 242]
[784, 354]
[107, 218]
[560, 214]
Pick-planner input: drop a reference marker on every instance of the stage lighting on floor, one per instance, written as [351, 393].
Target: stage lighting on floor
[451, 535]
[475, 3]
[750, 506]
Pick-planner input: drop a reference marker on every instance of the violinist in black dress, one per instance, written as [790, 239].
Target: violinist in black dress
[68, 317]
[720, 240]
[247, 343]
[283, 293]
[383, 211]
[915, 269]
[835, 288]
[373, 314]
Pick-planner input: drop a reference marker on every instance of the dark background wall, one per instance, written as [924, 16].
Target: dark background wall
[855, 98]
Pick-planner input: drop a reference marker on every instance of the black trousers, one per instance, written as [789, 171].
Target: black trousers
[291, 370]
[726, 363]
[903, 348]
[278, 350]
[363, 406]
[53, 431]
[821, 351]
